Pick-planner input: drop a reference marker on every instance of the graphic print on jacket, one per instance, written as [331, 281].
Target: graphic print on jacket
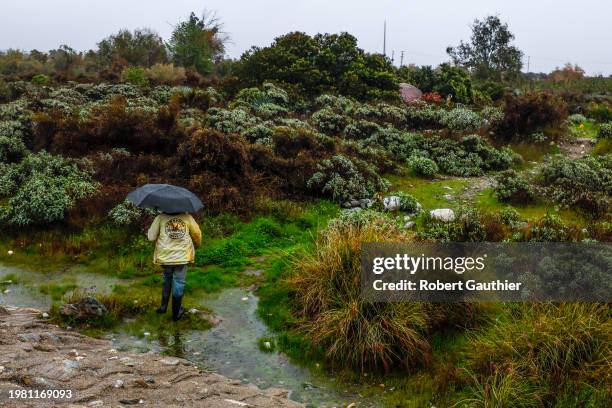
[175, 228]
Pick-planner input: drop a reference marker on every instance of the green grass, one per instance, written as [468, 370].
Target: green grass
[587, 130]
[603, 146]
[430, 193]
[488, 202]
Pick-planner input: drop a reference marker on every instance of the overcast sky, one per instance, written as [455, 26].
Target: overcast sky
[552, 32]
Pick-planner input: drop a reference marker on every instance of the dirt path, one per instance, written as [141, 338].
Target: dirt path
[475, 186]
[35, 355]
[578, 147]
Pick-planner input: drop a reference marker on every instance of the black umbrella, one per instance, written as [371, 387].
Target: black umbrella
[166, 198]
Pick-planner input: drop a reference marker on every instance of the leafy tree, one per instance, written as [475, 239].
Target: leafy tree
[141, 48]
[197, 42]
[64, 59]
[489, 53]
[320, 64]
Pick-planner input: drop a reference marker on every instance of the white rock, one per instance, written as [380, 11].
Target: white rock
[45, 315]
[7, 291]
[443, 214]
[119, 384]
[1, 369]
[267, 345]
[170, 361]
[193, 310]
[391, 203]
[447, 187]
[409, 224]
[245, 299]
[146, 334]
[96, 403]
[10, 252]
[112, 351]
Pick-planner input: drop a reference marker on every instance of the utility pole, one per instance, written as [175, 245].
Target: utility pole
[392, 56]
[528, 63]
[385, 39]
[402, 59]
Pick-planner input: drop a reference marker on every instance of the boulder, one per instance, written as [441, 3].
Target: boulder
[392, 203]
[443, 214]
[410, 93]
[85, 308]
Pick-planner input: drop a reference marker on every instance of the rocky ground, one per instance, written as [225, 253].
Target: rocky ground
[35, 355]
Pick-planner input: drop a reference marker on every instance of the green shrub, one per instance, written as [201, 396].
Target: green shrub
[605, 131]
[423, 116]
[12, 146]
[42, 188]
[461, 120]
[361, 129]
[396, 142]
[514, 188]
[231, 121]
[342, 179]
[408, 203]
[126, 214]
[268, 102]
[509, 216]
[549, 228]
[584, 183]
[493, 115]
[135, 76]
[329, 122]
[260, 134]
[41, 79]
[423, 166]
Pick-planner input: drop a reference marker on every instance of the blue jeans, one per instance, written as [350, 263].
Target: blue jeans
[175, 276]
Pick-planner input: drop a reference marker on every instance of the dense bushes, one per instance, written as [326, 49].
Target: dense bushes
[525, 114]
[461, 120]
[514, 188]
[423, 166]
[584, 183]
[319, 64]
[42, 188]
[605, 131]
[343, 179]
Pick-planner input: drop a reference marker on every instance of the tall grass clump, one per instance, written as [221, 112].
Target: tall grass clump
[333, 315]
[547, 352]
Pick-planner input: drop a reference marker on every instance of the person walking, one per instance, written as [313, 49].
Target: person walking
[176, 236]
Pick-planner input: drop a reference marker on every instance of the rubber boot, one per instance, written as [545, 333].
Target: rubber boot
[177, 309]
[166, 288]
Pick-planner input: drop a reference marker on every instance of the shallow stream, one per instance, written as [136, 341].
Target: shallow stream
[231, 348]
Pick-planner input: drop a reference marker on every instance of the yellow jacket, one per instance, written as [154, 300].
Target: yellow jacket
[175, 237]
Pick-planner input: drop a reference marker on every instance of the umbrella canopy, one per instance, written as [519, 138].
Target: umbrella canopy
[166, 198]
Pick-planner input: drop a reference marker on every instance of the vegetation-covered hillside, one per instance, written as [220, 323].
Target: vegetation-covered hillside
[294, 149]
